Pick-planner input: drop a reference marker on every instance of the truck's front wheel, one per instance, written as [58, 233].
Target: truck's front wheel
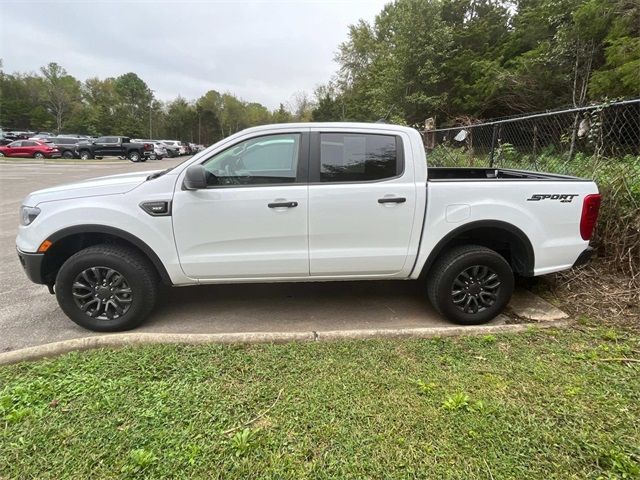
[470, 284]
[107, 288]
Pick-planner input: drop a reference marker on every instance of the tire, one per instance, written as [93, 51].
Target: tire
[85, 155]
[479, 300]
[134, 156]
[38, 155]
[1, 154]
[134, 278]
[67, 154]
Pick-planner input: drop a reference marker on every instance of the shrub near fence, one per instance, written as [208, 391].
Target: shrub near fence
[601, 142]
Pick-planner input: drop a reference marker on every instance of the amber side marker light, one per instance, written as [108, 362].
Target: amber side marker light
[44, 246]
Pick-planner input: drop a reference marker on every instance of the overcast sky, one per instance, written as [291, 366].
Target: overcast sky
[257, 49]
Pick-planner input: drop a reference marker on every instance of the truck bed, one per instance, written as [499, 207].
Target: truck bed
[478, 174]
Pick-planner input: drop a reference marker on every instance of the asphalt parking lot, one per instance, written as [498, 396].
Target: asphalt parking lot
[30, 316]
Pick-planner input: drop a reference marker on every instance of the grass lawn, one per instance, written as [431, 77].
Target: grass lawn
[546, 404]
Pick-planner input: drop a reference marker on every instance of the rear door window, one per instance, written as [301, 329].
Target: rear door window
[355, 157]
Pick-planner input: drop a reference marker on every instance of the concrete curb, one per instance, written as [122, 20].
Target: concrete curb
[127, 339]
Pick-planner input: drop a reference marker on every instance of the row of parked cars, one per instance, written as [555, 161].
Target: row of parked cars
[45, 145]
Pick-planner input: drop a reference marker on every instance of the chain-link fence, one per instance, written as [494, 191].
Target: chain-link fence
[601, 142]
[571, 141]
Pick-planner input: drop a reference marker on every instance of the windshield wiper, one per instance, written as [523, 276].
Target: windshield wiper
[159, 174]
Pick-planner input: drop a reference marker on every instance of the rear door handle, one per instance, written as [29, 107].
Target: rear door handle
[282, 204]
[392, 200]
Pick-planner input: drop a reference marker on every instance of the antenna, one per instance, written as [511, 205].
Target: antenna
[384, 119]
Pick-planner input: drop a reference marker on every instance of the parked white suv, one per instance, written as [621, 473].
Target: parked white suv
[304, 202]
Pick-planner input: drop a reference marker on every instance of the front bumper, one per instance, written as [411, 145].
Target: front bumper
[32, 264]
[584, 257]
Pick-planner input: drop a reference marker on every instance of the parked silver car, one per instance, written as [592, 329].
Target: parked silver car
[159, 148]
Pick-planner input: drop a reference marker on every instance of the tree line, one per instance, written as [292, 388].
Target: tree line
[456, 60]
[52, 100]
[459, 60]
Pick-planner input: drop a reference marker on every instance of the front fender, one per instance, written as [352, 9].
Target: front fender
[117, 217]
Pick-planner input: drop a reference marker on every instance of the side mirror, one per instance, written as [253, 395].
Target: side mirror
[195, 178]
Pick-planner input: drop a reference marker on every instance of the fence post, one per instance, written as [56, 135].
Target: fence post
[493, 144]
[535, 146]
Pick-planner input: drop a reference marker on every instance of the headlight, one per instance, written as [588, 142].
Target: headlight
[28, 214]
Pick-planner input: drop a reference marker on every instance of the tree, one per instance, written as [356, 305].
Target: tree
[182, 119]
[209, 109]
[133, 103]
[281, 115]
[61, 92]
[620, 74]
[301, 106]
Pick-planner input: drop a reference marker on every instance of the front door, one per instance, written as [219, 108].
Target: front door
[251, 221]
[362, 201]
[15, 149]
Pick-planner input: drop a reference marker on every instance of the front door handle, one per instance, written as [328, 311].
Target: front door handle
[282, 204]
[392, 200]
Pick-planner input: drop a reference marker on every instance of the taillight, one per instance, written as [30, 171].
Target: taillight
[590, 208]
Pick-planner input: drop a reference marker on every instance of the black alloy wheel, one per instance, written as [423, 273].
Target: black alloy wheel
[475, 289]
[102, 293]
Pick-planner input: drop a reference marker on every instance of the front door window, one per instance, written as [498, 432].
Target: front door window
[271, 159]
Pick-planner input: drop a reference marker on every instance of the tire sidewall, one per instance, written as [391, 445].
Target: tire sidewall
[70, 270]
[134, 157]
[496, 263]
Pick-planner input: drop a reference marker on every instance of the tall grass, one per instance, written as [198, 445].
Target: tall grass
[617, 236]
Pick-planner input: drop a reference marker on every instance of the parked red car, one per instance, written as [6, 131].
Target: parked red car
[29, 148]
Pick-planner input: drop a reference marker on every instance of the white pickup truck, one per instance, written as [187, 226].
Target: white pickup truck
[303, 202]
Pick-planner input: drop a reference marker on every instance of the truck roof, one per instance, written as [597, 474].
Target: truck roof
[341, 125]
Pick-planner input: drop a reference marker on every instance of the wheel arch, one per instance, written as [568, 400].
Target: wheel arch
[503, 237]
[70, 240]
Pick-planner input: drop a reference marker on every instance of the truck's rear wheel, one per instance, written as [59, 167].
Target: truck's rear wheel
[470, 284]
[134, 156]
[107, 288]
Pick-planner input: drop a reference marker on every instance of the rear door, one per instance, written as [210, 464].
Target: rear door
[362, 201]
[29, 148]
[251, 220]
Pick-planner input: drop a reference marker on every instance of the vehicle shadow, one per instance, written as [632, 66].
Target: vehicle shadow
[317, 306]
